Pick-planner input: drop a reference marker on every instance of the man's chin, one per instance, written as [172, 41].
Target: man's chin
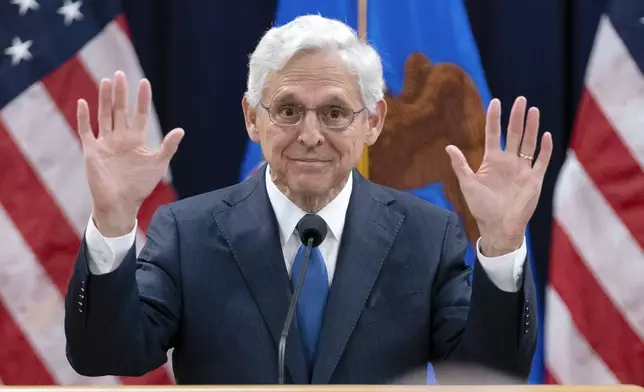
[310, 190]
[310, 185]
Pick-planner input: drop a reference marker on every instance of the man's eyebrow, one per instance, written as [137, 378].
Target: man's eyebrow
[331, 98]
[337, 98]
[280, 97]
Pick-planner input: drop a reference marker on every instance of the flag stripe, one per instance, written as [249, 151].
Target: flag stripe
[17, 354]
[65, 95]
[50, 147]
[169, 366]
[593, 313]
[569, 358]
[626, 19]
[35, 214]
[162, 194]
[616, 260]
[549, 378]
[121, 20]
[158, 376]
[37, 305]
[617, 84]
[139, 242]
[616, 175]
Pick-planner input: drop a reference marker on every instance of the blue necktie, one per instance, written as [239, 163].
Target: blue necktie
[312, 301]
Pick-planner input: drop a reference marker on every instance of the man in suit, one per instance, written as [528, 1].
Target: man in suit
[385, 293]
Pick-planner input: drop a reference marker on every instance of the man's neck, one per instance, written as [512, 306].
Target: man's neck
[307, 202]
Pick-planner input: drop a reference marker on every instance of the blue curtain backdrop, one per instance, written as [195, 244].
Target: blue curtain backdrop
[195, 54]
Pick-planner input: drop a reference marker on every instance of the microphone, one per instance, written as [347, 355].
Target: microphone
[312, 230]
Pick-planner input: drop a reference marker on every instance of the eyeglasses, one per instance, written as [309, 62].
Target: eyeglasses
[335, 117]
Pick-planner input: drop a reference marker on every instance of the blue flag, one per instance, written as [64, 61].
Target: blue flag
[439, 30]
[417, 37]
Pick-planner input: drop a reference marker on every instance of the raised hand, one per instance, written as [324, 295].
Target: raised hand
[503, 194]
[121, 171]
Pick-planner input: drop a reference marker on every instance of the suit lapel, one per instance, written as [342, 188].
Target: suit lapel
[370, 230]
[250, 228]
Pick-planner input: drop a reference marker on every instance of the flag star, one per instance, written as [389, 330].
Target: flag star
[26, 5]
[642, 20]
[71, 11]
[19, 50]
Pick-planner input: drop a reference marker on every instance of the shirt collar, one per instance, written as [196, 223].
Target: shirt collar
[288, 214]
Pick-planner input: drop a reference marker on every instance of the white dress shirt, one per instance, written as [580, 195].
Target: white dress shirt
[106, 254]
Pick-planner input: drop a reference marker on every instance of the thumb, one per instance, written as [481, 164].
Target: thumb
[170, 144]
[459, 163]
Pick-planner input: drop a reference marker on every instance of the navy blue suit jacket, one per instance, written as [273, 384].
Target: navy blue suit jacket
[211, 282]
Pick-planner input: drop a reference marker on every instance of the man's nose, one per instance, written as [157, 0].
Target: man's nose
[311, 132]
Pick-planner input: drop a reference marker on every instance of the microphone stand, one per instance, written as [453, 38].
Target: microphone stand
[291, 311]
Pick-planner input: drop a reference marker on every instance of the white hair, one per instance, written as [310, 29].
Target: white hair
[280, 44]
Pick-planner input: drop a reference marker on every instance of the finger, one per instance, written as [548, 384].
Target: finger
[170, 144]
[529, 143]
[104, 108]
[541, 164]
[143, 103]
[120, 101]
[461, 168]
[515, 125]
[493, 126]
[83, 122]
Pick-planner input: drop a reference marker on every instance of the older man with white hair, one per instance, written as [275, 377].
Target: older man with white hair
[386, 291]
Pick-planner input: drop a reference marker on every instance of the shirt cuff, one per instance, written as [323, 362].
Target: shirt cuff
[106, 253]
[504, 271]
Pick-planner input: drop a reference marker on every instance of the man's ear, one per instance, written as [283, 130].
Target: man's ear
[250, 117]
[376, 122]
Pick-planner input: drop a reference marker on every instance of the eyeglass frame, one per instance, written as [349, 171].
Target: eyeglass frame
[306, 110]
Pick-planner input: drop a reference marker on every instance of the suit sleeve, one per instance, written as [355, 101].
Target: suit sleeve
[480, 324]
[123, 322]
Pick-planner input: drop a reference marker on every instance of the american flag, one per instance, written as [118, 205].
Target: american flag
[53, 52]
[595, 299]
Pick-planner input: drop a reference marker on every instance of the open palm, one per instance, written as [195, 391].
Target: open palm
[121, 171]
[503, 193]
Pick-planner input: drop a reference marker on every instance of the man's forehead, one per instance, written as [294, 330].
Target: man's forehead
[294, 92]
[315, 87]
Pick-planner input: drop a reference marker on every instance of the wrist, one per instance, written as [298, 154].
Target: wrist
[114, 224]
[495, 246]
